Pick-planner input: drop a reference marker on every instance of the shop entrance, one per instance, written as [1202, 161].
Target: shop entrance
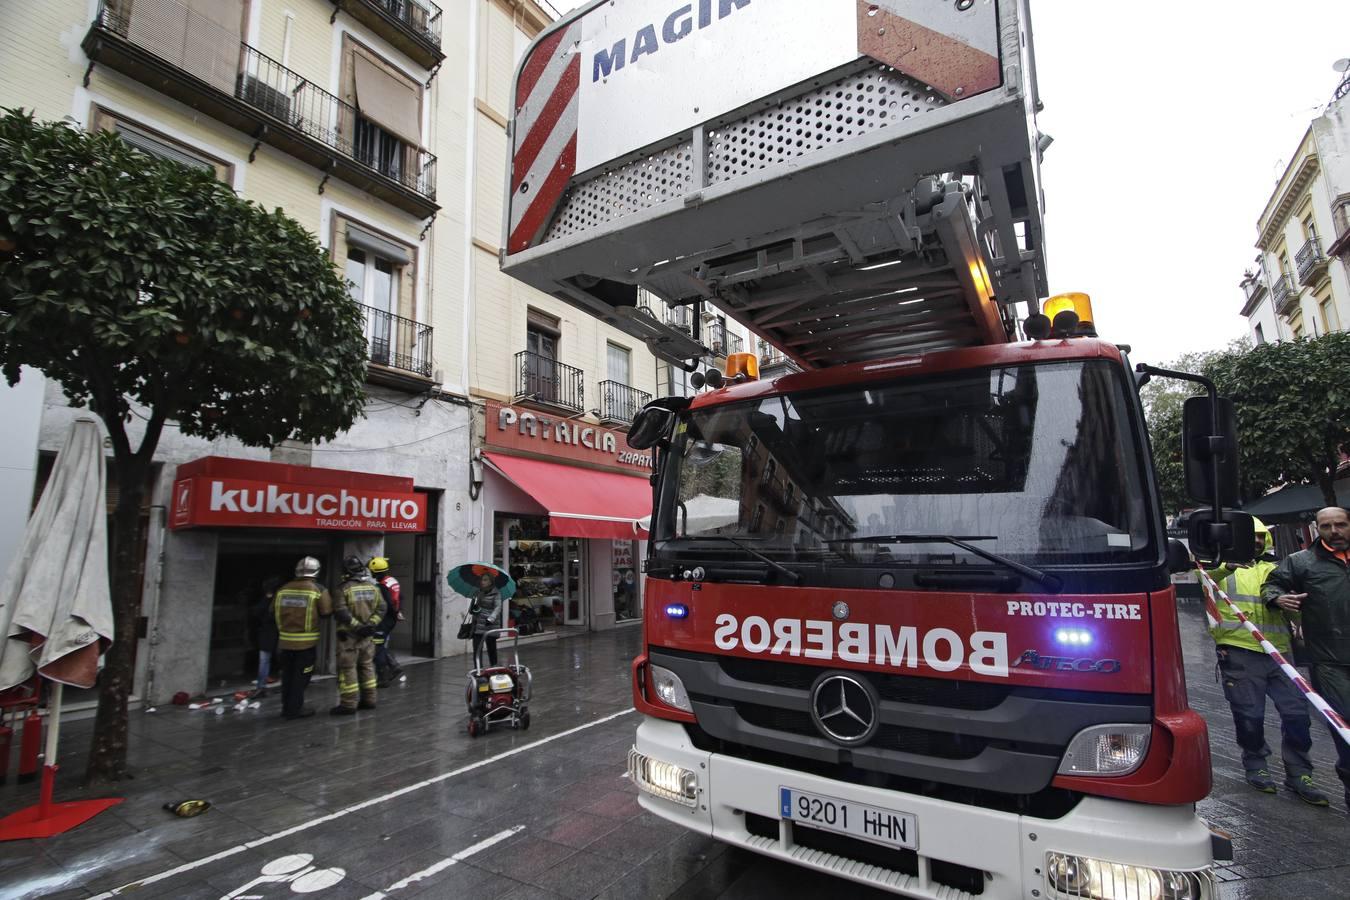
[246, 568]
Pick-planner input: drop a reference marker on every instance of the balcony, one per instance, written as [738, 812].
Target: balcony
[1285, 295]
[195, 60]
[619, 403]
[400, 349]
[1340, 220]
[772, 361]
[548, 383]
[1310, 260]
[412, 26]
[721, 341]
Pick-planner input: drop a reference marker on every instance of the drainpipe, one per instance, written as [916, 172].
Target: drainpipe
[470, 195]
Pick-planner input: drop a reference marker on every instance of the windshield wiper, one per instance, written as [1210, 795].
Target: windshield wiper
[774, 564]
[1045, 579]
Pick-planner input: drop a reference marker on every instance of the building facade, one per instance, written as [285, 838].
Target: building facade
[1299, 285]
[495, 414]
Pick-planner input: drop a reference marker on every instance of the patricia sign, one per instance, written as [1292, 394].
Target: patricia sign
[520, 429]
[239, 493]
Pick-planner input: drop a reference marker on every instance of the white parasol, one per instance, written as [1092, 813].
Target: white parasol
[56, 610]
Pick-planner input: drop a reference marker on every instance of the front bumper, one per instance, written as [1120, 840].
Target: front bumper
[1009, 849]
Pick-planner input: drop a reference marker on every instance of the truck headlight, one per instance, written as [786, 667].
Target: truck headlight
[662, 779]
[670, 689]
[1106, 750]
[1085, 878]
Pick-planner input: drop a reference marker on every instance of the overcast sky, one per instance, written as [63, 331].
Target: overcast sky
[1172, 121]
[1171, 126]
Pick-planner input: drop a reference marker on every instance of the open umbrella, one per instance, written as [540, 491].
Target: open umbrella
[56, 610]
[464, 579]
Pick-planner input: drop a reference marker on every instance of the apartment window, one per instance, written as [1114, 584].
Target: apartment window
[1309, 227]
[380, 275]
[1296, 326]
[1330, 321]
[618, 364]
[1260, 334]
[158, 145]
[387, 130]
[542, 376]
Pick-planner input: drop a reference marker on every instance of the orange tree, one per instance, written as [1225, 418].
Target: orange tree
[150, 291]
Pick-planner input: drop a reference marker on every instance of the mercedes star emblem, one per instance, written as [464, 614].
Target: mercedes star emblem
[840, 610]
[844, 709]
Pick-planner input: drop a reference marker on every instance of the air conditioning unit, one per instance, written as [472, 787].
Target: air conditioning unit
[263, 96]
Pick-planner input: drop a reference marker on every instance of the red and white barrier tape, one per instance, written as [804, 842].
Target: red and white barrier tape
[1213, 591]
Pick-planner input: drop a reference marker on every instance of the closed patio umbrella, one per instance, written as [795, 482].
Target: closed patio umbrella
[56, 610]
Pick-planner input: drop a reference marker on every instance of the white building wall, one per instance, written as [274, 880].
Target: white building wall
[21, 411]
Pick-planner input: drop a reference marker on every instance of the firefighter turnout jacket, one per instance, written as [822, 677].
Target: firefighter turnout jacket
[359, 603]
[297, 607]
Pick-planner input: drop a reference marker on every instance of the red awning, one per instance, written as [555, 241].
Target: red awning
[580, 502]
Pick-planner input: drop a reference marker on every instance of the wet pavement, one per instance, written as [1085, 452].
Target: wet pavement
[401, 802]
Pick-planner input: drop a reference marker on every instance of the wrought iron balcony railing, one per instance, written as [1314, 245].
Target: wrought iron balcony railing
[721, 341]
[192, 58]
[549, 382]
[1283, 292]
[414, 26]
[398, 343]
[1310, 260]
[772, 359]
[619, 403]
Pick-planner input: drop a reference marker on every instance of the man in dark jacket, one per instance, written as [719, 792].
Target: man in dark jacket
[1314, 584]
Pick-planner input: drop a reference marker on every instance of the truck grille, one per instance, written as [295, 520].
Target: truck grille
[933, 733]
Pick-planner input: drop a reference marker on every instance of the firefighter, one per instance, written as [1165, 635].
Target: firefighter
[1248, 676]
[387, 668]
[359, 611]
[297, 606]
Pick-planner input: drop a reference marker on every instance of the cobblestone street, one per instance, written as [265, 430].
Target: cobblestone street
[404, 803]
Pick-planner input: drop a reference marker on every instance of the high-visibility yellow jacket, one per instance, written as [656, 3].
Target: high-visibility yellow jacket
[297, 607]
[359, 603]
[1243, 586]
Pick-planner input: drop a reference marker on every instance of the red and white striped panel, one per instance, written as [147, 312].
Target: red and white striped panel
[545, 152]
[952, 49]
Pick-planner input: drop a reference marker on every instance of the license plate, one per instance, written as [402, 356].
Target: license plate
[880, 826]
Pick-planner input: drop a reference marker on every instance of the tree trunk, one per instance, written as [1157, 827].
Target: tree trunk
[108, 753]
[1326, 480]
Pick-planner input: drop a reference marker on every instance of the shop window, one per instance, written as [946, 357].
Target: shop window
[548, 571]
[151, 142]
[627, 596]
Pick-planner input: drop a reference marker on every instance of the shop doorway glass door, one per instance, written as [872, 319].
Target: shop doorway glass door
[574, 569]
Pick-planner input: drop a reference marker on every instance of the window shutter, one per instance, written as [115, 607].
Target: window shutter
[390, 102]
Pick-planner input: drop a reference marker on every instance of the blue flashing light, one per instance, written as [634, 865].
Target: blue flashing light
[677, 611]
[1074, 637]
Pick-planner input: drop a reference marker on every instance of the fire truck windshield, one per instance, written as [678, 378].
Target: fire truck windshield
[1043, 462]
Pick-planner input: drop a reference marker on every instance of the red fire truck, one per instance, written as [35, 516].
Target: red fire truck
[908, 615]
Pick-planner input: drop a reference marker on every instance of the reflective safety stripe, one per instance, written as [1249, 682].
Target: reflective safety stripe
[1266, 628]
[298, 635]
[370, 685]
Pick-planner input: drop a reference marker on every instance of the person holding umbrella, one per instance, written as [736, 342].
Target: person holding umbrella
[487, 587]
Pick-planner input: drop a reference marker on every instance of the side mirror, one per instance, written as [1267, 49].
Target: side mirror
[1202, 445]
[1232, 539]
[1178, 557]
[650, 426]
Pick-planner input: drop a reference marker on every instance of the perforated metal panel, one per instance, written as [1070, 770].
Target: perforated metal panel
[657, 178]
[861, 103]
